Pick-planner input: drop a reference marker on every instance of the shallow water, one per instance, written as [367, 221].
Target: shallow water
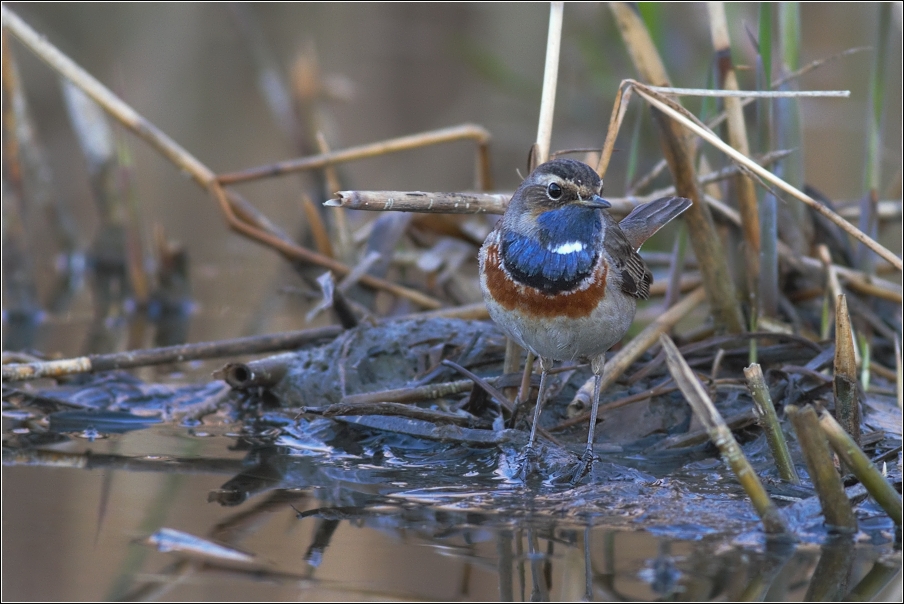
[400, 518]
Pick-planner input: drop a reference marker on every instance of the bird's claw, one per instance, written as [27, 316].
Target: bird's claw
[585, 464]
[527, 463]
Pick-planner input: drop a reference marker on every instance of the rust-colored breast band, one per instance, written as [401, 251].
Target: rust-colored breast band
[530, 301]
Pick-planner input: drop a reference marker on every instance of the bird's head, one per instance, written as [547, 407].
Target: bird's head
[560, 184]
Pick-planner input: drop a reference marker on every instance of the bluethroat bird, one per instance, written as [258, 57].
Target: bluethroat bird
[562, 278]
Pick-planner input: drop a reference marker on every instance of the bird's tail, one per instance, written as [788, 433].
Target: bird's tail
[646, 219]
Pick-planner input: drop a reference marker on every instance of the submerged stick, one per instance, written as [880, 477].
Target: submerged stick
[399, 410]
[813, 443]
[721, 435]
[409, 395]
[769, 421]
[868, 474]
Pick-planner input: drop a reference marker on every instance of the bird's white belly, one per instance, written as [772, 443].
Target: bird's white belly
[566, 338]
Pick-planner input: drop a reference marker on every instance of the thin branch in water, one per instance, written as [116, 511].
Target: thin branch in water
[168, 354]
[399, 410]
[721, 435]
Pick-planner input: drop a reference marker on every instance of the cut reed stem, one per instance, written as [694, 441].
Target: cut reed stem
[815, 447]
[768, 419]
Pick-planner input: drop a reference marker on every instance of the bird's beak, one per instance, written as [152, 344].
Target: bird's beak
[596, 202]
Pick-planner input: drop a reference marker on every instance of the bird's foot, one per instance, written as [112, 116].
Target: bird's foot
[585, 464]
[527, 463]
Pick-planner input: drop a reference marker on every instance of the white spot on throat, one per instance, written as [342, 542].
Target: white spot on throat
[568, 247]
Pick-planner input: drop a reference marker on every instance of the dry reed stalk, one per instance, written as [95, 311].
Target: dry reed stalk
[538, 155]
[394, 145]
[688, 121]
[318, 228]
[344, 244]
[707, 246]
[737, 136]
[550, 80]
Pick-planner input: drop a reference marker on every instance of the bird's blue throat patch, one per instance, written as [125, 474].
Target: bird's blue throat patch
[561, 253]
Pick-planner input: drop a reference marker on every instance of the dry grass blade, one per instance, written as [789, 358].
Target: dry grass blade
[756, 383]
[721, 435]
[813, 444]
[692, 124]
[868, 474]
[846, 389]
[619, 108]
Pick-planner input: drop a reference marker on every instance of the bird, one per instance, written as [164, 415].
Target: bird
[562, 278]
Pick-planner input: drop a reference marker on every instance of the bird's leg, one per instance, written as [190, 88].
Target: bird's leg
[529, 454]
[586, 462]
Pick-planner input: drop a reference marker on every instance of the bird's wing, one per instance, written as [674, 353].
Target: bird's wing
[646, 219]
[635, 276]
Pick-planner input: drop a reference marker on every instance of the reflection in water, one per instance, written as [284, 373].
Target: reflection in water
[404, 518]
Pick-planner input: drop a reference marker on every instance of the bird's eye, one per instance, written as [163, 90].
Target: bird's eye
[554, 191]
